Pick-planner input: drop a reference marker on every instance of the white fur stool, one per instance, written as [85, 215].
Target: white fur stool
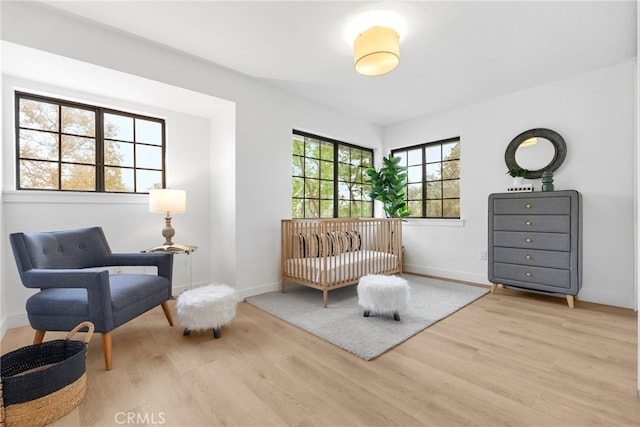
[383, 294]
[209, 306]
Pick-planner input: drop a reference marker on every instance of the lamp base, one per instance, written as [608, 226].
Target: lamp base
[168, 232]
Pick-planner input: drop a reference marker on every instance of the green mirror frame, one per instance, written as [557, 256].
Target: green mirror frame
[559, 145]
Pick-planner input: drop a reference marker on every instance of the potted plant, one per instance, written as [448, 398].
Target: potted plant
[518, 175]
[387, 186]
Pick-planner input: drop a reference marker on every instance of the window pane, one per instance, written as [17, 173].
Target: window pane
[356, 157]
[78, 121]
[451, 170]
[312, 188]
[403, 157]
[433, 172]
[326, 170]
[312, 148]
[297, 165]
[414, 191]
[78, 177]
[298, 187]
[38, 115]
[415, 157]
[298, 146]
[148, 156]
[366, 190]
[311, 168]
[434, 208]
[451, 150]
[344, 172]
[451, 208]
[148, 131]
[118, 127]
[79, 150]
[326, 151]
[38, 145]
[433, 153]
[118, 153]
[415, 207]
[356, 174]
[327, 208]
[311, 208]
[414, 173]
[367, 208]
[39, 175]
[326, 190]
[344, 210]
[118, 179]
[434, 190]
[148, 180]
[451, 189]
[367, 159]
[344, 154]
[297, 208]
[356, 192]
[343, 191]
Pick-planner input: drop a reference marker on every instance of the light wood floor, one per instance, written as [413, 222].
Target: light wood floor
[508, 359]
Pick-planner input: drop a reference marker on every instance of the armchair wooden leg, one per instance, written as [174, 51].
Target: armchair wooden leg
[38, 337]
[106, 348]
[167, 312]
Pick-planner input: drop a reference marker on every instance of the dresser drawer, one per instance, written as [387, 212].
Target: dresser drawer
[532, 257]
[510, 273]
[544, 223]
[533, 205]
[546, 241]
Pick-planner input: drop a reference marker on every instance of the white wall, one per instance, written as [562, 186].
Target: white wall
[595, 115]
[235, 201]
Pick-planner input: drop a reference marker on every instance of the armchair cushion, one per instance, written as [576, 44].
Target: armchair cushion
[67, 249]
[58, 309]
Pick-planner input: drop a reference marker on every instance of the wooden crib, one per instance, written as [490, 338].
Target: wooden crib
[331, 253]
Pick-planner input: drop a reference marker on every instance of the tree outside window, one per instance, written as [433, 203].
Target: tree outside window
[433, 178]
[68, 146]
[329, 178]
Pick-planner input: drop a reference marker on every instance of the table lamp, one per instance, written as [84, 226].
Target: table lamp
[167, 200]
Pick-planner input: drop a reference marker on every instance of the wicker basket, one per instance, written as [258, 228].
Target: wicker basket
[43, 382]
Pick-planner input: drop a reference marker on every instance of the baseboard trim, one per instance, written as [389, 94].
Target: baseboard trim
[454, 275]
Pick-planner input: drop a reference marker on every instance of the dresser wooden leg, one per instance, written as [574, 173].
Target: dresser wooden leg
[570, 300]
[494, 286]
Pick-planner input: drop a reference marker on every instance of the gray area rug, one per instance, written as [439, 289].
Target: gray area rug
[343, 324]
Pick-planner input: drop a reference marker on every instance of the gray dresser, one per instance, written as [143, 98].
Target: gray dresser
[535, 242]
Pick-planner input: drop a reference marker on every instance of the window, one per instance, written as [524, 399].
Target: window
[433, 178]
[329, 178]
[67, 146]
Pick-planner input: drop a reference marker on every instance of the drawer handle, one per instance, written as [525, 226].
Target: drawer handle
[528, 223]
[528, 240]
[528, 257]
[528, 206]
[528, 274]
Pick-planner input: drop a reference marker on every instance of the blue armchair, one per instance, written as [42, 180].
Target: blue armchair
[65, 266]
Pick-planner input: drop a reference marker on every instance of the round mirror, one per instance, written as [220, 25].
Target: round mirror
[537, 150]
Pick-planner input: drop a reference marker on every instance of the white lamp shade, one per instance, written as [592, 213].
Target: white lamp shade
[167, 200]
[376, 51]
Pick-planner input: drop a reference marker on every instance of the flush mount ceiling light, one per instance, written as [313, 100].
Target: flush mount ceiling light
[376, 51]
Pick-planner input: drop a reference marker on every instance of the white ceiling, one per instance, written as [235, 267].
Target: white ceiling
[453, 53]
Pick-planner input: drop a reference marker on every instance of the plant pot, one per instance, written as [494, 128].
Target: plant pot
[518, 181]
